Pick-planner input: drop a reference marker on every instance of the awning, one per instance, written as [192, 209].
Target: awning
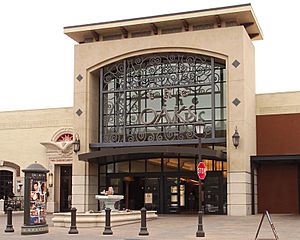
[107, 155]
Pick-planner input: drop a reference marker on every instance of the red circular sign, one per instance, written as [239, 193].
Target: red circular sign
[201, 170]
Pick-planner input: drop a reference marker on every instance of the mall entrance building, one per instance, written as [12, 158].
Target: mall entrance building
[140, 85]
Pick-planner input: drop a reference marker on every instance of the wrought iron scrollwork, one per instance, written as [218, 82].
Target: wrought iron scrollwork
[156, 97]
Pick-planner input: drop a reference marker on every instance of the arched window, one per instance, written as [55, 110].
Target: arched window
[157, 98]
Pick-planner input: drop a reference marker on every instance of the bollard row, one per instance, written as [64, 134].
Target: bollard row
[73, 227]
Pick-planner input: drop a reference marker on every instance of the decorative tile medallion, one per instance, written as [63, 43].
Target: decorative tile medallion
[236, 102]
[236, 63]
[79, 77]
[79, 112]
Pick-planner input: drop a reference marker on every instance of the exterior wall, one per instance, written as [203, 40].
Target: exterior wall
[278, 130]
[269, 127]
[21, 134]
[278, 188]
[278, 103]
[228, 43]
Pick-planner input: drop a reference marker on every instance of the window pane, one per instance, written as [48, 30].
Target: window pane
[170, 164]
[154, 165]
[110, 168]
[102, 180]
[103, 169]
[121, 167]
[138, 166]
[187, 164]
[208, 164]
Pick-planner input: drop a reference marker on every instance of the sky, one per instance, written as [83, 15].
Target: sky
[36, 58]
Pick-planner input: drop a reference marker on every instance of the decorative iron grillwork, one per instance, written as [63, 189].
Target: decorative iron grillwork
[158, 97]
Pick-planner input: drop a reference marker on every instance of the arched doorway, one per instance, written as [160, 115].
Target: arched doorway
[6, 184]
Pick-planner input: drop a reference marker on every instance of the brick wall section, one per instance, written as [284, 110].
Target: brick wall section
[278, 183]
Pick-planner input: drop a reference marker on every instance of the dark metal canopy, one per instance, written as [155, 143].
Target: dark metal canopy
[107, 155]
[275, 159]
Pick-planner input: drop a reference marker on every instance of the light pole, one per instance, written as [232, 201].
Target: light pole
[199, 130]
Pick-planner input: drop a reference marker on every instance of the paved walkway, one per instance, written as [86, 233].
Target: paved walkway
[173, 227]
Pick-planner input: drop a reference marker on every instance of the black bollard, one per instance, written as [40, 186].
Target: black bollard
[200, 232]
[73, 228]
[107, 229]
[9, 226]
[143, 231]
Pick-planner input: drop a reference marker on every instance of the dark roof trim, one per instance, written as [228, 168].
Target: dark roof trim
[162, 15]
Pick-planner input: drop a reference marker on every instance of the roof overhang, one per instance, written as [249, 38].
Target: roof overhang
[242, 14]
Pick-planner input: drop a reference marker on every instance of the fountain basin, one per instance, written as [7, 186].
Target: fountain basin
[98, 219]
[110, 200]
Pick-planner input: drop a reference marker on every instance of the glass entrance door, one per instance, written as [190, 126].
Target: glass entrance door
[214, 197]
[189, 187]
[152, 194]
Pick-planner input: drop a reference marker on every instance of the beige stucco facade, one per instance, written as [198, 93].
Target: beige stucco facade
[278, 103]
[21, 135]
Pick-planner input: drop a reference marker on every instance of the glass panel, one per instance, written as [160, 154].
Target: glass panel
[220, 113]
[220, 128]
[102, 179]
[218, 166]
[110, 168]
[170, 164]
[204, 100]
[138, 166]
[187, 164]
[204, 114]
[121, 167]
[208, 164]
[172, 193]
[189, 187]
[220, 94]
[154, 165]
[102, 168]
[152, 194]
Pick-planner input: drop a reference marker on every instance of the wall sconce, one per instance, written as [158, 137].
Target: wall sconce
[50, 179]
[236, 138]
[76, 143]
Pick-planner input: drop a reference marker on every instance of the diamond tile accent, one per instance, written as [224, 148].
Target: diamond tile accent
[236, 102]
[79, 112]
[79, 77]
[236, 63]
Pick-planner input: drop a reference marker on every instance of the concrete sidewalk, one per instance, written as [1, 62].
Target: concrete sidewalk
[174, 227]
